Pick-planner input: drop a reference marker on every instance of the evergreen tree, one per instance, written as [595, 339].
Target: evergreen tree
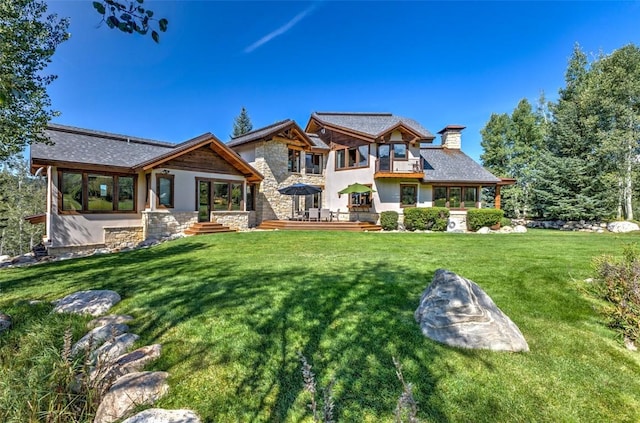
[241, 124]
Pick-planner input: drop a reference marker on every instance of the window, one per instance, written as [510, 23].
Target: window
[164, 191]
[294, 161]
[236, 197]
[221, 196]
[400, 152]
[360, 200]
[71, 189]
[351, 158]
[408, 195]
[96, 192]
[313, 163]
[313, 201]
[455, 197]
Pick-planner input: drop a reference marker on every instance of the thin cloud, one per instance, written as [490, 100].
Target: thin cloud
[283, 29]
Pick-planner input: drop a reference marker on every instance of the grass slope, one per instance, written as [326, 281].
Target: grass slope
[232, 310]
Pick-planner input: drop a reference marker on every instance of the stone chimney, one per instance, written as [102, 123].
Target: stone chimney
[452, 136]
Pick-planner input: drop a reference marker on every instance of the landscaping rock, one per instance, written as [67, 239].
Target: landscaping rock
[622, 227]
[98, 336]
[129, 392]
[158, 415]
[484, 230]
[95, 302]
[520, 229]
[4, 258]
[112, 318]
[506, 230]
[457, 312]
[111, 350]
[631, 346]
[5, 322]
[129, 363]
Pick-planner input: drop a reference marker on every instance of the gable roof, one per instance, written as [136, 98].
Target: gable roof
[77, 147]
[268, 132]
[370, 125]
[452, 165]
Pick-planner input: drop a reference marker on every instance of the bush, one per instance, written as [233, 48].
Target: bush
[389, 220]
[617, 282]
[505, 221]
[426, 218]
[479, 218]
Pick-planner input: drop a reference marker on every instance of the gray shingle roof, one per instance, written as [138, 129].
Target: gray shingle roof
[373, 124]
[259, 133]
[317, 142]
[76, 145]
[452, 165]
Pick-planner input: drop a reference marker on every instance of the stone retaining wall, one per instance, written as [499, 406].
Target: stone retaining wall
[121, 237]
[162, 224]
[562, 225]
[74, 249]
[238, 220]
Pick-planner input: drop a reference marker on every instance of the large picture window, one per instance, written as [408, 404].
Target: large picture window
[351, 158]
[92, 192]
[455, 197]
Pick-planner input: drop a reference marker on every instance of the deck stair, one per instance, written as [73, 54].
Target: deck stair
[204, 228]
[292, 225]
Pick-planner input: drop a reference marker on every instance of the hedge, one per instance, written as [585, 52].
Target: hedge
[389, 220]
[426, 218]
[479, 218]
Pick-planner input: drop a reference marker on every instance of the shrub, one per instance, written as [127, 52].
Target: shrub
[617, 282]
[478, 218]
[389, 220]
[505, 221]
[426, 218]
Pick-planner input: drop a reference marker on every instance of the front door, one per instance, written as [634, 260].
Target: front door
[204, 201]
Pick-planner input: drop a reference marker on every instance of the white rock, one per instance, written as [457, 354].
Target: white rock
[506, 229]
[128, 363]
[4, 258]
[158, 415]
[622, 227]
[94, 302]
[483, 230]
[112, 349]
[520, 229]
[129, 392]
[112, 318]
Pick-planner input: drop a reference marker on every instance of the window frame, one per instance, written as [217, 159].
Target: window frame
[172, 190]
[360, 205]
[406, 151]
[295, 160]
[345, 153]
[84, 206]
[229, 182]
[415, 203]
[310, 170]
[463, 189]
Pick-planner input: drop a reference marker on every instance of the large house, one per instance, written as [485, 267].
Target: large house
[110, 190]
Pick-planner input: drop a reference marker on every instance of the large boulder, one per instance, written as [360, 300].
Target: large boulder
[98, 336]
[94, 302]
[114, 348]
[112, 318]
[457, 312]
[520, 229]
[622, 227]
[5, 322]
[131, 362]
[131, 391]
[158, 415]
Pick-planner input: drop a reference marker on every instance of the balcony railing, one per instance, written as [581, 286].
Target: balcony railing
[399, 166]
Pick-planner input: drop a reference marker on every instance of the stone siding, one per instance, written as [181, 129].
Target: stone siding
[162, 224]
[238, 220]
[272, 162]
[121, 237]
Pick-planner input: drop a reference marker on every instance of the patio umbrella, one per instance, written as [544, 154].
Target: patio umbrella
[298, 189]
[357, 188]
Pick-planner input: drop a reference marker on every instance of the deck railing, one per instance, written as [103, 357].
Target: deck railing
[399, 166]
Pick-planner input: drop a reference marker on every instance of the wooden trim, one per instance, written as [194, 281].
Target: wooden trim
[82, 167]
[416, 187]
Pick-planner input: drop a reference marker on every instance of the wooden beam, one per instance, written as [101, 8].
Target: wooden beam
[496, 202]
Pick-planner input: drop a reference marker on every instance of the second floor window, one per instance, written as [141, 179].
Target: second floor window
[351, 158]
[294, 161]
[313, 163]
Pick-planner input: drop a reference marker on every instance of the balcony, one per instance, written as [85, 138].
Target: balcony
[387, 168]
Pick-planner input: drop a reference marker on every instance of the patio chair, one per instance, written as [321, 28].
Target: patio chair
[325, 215]
[314, 214]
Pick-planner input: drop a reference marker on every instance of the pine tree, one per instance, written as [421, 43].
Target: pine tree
[241, 124]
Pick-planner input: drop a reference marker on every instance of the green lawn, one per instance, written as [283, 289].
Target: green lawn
[233, 309]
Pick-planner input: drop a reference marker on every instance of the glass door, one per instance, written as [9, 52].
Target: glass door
[204, 201]
[384, 157]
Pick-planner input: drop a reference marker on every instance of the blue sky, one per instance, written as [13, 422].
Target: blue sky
[437, 62]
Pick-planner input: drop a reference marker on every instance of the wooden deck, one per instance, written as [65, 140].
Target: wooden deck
[296, 225]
